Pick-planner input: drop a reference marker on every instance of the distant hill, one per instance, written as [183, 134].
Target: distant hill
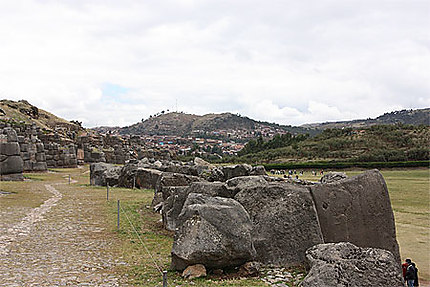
[377, 143]
[209, 125]
[22, 112]
[408, 117]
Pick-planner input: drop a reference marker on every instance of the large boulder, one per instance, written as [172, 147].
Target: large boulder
[231, 171]
[9, 148]
[346, 265]
[112, 175]
[357, 210]
[127, 176]
[185, 169]
[147, 178]
[214, 231]
[172, 206]
[11, 165]
[258, 170]
[173, 179]
[97, 173]
[245, 182]
[284, 219]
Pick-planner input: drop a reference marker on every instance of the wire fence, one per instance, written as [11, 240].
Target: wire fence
[162, 272]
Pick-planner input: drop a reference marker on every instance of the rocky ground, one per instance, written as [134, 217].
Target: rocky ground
[65, 241]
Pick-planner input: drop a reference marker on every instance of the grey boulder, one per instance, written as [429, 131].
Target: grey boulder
[214, 231]
[147, 178]
[357, 210]
[346, 265]
[284, 220]
[172, 206]
[97, 173]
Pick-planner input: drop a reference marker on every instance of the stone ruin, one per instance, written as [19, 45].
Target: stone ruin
[11, 163]
[226, 216]
[28, 148]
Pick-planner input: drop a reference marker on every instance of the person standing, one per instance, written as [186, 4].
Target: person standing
[410, 273]
[416, 275]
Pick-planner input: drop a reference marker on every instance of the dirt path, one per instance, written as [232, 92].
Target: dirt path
[63, 242]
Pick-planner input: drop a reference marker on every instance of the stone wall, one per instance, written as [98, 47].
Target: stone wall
[61, 156]
[11, 164]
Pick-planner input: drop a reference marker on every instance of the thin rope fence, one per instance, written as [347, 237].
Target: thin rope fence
[157, 266]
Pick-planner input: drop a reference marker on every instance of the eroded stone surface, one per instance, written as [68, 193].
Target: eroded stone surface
[357, 210]
[344, 264]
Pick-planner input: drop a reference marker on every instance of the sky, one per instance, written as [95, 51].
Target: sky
[114, 63]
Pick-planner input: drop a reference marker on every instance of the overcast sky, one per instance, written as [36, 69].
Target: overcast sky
[290, 62]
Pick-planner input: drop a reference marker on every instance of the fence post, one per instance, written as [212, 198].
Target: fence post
[117, 224]
[134, 182]
[69, 178]
[164, 278]
[107, 192]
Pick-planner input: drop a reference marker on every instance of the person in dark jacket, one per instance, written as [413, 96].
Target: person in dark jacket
[410, 273]
[416, 275]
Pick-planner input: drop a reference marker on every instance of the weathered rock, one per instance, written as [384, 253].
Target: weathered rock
[333, 177]
[97, 173]
[172, 206]
[214, 231]
[245, 182]
[11, 165]
[250, 269]
[9, 148]
[157, 164]
[202, 163]
[157, 200]
[194, 271]
[258, 170]
[215, 174]
[39, 166]
[232, 171]
[357, 210]
[344, 264]
[127, 176]
[284, 219]
[147, 178]
[11, 135]
[112, 175]
[173, 179]
[190, 170]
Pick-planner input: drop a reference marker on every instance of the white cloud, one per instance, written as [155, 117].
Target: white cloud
[286, 61]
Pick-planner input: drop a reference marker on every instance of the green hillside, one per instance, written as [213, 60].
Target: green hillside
[378, 143]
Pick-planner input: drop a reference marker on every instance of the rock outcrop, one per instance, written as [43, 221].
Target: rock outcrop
[346, 265]
[214, 231]
[357, 210]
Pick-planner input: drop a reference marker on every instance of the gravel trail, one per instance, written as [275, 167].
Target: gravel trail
[63, 242]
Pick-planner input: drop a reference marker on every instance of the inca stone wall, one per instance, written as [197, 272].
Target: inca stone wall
[32, 149]
[61, 156]
[11, 164]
